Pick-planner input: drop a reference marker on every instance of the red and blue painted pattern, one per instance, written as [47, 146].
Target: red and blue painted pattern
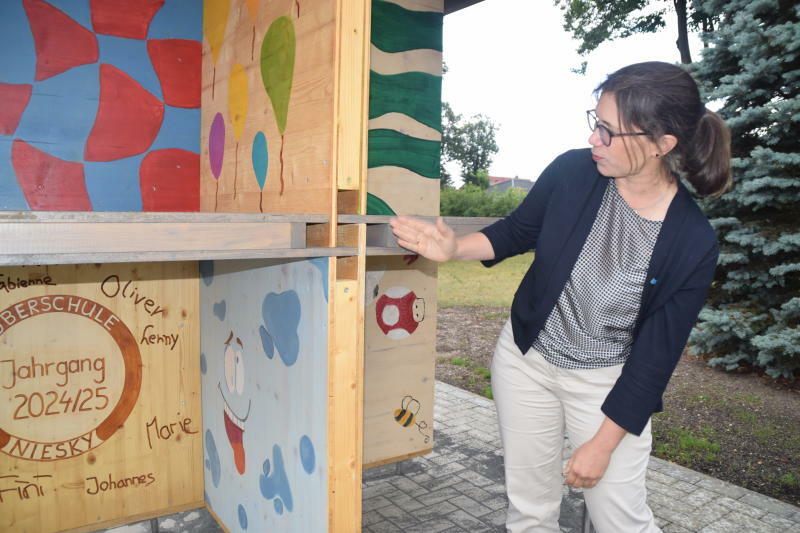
[101, 105]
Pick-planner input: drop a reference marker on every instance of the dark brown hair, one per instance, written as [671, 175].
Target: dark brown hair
[663, 99]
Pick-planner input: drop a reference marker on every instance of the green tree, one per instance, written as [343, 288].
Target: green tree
[593, 22]
[752, 67]
[469, 142]
[480, 179]
[475, 146]
[449, 139]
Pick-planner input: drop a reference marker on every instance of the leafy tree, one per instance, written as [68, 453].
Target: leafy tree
[475, 146]
[752, 67]
[480, 179]
[449, 139]
[594, 21]
[471, 143]
[472, 201]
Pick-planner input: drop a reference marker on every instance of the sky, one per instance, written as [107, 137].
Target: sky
[510, 60]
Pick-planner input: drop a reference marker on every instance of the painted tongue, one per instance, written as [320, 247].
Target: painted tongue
[235, 438]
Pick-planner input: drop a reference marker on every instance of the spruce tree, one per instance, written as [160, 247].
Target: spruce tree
[751, 65]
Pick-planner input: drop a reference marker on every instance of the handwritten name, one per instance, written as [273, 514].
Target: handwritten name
[113, 288]
[167, 339]
[167, 431]
[21, 488]
[95, 486]
[9, 284]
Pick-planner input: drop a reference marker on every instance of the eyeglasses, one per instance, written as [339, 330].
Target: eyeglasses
[606, 135]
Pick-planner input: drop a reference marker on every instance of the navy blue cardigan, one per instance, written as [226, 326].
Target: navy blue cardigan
[554, 220]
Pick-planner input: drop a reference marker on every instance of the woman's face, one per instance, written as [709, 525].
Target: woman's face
[615, 161]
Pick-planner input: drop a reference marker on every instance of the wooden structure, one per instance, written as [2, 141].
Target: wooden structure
[200, 300]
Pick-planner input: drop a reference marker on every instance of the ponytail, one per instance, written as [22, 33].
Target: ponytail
[710, 162]
[663, 99]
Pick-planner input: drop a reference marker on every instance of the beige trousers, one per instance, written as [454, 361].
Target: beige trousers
[536, 403]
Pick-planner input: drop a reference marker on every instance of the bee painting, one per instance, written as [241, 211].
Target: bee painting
[406, 415]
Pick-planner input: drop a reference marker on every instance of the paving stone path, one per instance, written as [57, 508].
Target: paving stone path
[459, 488]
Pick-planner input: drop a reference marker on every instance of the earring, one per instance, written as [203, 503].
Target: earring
[658, 155]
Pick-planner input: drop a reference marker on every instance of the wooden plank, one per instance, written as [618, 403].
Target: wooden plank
[381, 240]
[399, 360]
[345, 411]
[352, 91]
[72, 259]
[55, 238]
[185, 218]
[384, 219]
[102, 383]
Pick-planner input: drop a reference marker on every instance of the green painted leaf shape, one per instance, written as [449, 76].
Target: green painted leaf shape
[277, 66]
[376, 206]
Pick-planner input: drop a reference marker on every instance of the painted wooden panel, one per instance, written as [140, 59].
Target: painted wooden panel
[405, 108]
[399, 358]
[100, 105]
[267, 124]
[100, 393]
[264, 363]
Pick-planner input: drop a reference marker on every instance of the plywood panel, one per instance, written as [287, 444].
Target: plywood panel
[400, 350]
[267, 106]
[265, 394]
[100, 393]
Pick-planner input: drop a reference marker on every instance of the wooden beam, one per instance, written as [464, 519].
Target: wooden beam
[352, 92]
[131, 237]
[345, 407]
[47, 238]
[381, 240]
[151, 217]
[197, 255]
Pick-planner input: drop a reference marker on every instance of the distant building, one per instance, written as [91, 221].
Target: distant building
[497, 184]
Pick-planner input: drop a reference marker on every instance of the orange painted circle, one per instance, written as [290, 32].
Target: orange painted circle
[119, 332]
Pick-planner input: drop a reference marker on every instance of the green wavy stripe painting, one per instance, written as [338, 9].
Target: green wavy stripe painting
[391, 148]
[396, 29]
[415, 94]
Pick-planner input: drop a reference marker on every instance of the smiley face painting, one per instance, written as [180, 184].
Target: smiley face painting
[234, 384]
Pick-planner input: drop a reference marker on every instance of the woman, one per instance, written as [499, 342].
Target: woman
[624, 259]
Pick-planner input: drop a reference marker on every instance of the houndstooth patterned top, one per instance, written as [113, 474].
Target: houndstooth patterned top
[592, 324]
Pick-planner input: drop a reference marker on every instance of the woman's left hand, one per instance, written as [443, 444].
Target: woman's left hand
[587, 465]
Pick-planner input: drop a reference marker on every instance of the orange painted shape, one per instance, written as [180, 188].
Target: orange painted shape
[252, 8]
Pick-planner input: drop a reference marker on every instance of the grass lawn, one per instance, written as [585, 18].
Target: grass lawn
[469, 283]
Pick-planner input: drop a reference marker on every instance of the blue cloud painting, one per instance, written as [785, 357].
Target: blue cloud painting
[281, 314]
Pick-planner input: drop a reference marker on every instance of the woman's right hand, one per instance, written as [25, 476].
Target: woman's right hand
[435, 242]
